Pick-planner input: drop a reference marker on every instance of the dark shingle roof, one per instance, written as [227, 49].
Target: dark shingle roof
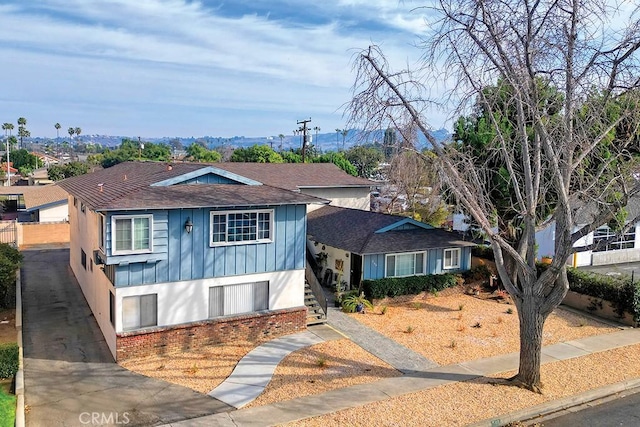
[294, 176]
[354, 230]
[128, 186]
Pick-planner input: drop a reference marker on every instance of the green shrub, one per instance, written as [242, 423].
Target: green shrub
[8, 360]
[479, 272]
[395, 286]
[10, 260]
[623, 295]
[483, 251]
[351, 302]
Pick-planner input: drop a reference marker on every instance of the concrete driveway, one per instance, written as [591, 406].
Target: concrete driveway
[70, 376]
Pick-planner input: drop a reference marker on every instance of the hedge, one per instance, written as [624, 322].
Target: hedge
[395, 286]
[483, 251]
[10, 260]
[8, 360]
[622, 293]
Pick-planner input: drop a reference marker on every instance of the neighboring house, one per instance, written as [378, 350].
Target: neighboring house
[40, 177]
[324, 180]
[45, 203]
[361, 245]
[601, 247]
[172, 256]
[8, 171]
[45, 159]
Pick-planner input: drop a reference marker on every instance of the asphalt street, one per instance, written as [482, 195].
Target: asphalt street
[624, 411]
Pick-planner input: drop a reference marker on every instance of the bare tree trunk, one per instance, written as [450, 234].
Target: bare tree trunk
[531, 325]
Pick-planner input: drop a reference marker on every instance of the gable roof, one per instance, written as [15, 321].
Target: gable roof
[128, 186]
[39, 196]
[362, 232]
[36, 196]
[294, 176]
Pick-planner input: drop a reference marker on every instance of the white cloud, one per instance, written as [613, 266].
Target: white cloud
[168, 55]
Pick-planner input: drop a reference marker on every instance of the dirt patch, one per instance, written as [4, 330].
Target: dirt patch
[8, 333]
[453, 327]
[323, 367]
[201, 370]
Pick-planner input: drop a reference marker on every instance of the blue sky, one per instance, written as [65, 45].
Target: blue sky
[155, 68]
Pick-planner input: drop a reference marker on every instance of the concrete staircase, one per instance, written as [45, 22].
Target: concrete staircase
[316, 313]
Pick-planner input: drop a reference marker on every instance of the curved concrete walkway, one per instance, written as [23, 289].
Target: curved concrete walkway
[254, 371]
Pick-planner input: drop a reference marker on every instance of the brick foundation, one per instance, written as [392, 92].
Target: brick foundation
[255, 327]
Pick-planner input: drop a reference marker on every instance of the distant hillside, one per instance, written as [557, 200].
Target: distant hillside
[325, 141]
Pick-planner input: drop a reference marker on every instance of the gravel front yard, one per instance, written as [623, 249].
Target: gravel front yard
[449, 328]
[454, 327]
[467, 402]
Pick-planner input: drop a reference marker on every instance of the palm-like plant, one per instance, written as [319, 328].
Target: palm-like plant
[22, 129]
[71, 132]
[8, 127]
[57, 126]
[317, 129]
[281, 136]
[353, 303]
[337, 139]
[78, 131]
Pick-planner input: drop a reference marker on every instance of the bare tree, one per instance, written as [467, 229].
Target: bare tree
[413, 177]
[557, 160]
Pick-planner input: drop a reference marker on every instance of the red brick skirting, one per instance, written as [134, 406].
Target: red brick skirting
[254, 327]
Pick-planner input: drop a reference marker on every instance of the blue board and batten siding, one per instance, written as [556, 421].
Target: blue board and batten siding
[373, 266]
[178, 255]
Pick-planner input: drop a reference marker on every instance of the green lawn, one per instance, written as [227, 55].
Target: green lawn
[7, 405]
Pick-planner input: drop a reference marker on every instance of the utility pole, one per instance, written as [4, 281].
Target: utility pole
[140, 147]
[304, 129]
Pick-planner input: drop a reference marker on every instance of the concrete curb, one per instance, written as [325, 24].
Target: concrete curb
[20, 418]
[545, 410]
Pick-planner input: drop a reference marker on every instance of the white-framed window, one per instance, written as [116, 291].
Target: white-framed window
[238, 299]
[605, 239]
[241, 227]
[401, 265]
[131, 234]
[451, 259]
[101, 231]
[140, 311]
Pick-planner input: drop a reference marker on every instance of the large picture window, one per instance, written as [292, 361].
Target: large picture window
[451, 259]
[238, 299]
[400, 265]
[132, 234]
[139, 311]
[238, 227]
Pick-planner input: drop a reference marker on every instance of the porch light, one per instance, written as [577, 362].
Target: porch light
[188, 225]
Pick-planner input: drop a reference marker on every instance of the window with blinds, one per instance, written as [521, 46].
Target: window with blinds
[238, 299]
[132, 234]
[139, 311]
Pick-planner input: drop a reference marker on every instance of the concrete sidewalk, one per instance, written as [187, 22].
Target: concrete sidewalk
[395, 354]
[345, 398]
